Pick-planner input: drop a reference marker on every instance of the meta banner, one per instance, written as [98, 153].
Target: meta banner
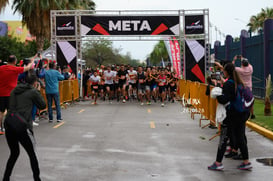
[194, 24]
[129, 25]
[65, 26]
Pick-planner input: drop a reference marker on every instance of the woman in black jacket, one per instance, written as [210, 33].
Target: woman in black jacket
[234, 123]
[22, 99]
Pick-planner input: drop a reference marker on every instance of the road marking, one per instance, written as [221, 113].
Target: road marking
[152, 125]
[81, 111]
[149, 110]
[58, 125]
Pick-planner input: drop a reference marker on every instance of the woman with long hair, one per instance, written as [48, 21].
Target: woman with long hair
[234, 122]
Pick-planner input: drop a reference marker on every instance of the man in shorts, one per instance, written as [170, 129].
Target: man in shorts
[95, 80]
[162, 80]
[122, 78]
[141, 86]
[132, 77]
[8, 81]
[109, 77]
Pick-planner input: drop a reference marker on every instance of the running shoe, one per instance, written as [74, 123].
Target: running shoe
[162, 105]
[142, 104]
[50, 121]
[59, 120]
[149, 103]
[34, 123]
[124, 101]
[215, 166]
[245, 166]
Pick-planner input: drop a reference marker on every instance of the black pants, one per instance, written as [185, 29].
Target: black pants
[26, 139]
[234, 128]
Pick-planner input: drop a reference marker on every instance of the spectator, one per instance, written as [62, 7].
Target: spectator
[22, 99]
[8, 81]
[66, 73]
[245, 72]
[52, 78]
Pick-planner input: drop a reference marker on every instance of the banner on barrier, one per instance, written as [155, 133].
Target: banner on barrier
[195, 60]
[67, 54]
[194, 24]
[129, 25]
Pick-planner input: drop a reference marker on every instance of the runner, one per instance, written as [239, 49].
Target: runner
[162, 80]
[153, 87]
[172, 83]
[109, 77]
[141, 84]
[132, 75]
[122, 76]
[95, 80]
[149, 81]
[102, 88]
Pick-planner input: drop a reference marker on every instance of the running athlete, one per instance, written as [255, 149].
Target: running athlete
[122, 79]
[95, 79]
[149, 81]
[141, 84]
[162, 80]
[172, 83]
[153, 87]
[132, 75]
[102, 88]
[109, 77]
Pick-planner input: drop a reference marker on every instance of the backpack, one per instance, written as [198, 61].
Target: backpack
[244, 99]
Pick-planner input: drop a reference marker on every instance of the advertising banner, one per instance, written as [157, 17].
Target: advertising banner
[195, 60]
[65, 26]
[177, 57]
[194, 24]
[67, 55]
[129, 25]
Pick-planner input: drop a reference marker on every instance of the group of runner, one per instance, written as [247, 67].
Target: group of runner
[126, 82]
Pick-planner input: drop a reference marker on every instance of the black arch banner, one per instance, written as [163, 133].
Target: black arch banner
[129, 25]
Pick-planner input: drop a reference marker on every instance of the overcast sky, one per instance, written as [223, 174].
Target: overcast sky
[228, 16]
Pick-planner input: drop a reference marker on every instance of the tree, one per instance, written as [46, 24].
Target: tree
[159, 52]
[256, 21]
[36, 14]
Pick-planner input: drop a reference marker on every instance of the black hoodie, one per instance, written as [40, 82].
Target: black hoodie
[22, 99]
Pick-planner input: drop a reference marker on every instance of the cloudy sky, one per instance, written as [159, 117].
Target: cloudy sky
[229, 17]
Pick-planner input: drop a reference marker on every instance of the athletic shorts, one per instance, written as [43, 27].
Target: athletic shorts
[102, 87]
[173, 88]
[4, 103]
[111, 86]
[121, 84]
[154, 86]
[134, 85]
[141, 89]
[95, 88]
[147, 88]
[162, 89]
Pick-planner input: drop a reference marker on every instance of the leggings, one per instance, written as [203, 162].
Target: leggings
[26, 139]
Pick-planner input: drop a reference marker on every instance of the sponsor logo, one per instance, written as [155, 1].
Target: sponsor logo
[129, 25]
[195, 25]
[66, 26]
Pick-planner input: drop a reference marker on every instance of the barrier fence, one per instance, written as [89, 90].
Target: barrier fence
[194, 97]
[68, 91]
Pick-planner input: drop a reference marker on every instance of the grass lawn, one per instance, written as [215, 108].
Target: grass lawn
[264, 121]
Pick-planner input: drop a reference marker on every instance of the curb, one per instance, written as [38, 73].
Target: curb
[265, 132]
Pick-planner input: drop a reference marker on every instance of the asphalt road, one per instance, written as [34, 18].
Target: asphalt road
[129, 142]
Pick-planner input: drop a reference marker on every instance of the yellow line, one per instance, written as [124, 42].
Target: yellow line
[149, 110]
[81, 111]
[58, 125]
[152, 125]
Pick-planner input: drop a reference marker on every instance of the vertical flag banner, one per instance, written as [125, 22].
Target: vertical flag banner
[195, 60]
[67, 54]
[172, 46]
[178, 57]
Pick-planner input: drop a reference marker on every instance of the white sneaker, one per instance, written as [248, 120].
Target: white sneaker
[34, 123]
[162, 105]
[59, 120]
[2, 129]
[124, 101]
[50, 121]
[142, 104]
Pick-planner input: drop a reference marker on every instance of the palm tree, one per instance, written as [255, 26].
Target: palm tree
[36, 14]
[256, 21]
[159, 52]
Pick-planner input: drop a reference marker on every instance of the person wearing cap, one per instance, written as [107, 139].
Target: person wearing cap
[245, 72]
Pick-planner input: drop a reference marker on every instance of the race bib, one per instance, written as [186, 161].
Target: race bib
[108, 78]
[95, 87]
[122, 77]
[141, 81]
